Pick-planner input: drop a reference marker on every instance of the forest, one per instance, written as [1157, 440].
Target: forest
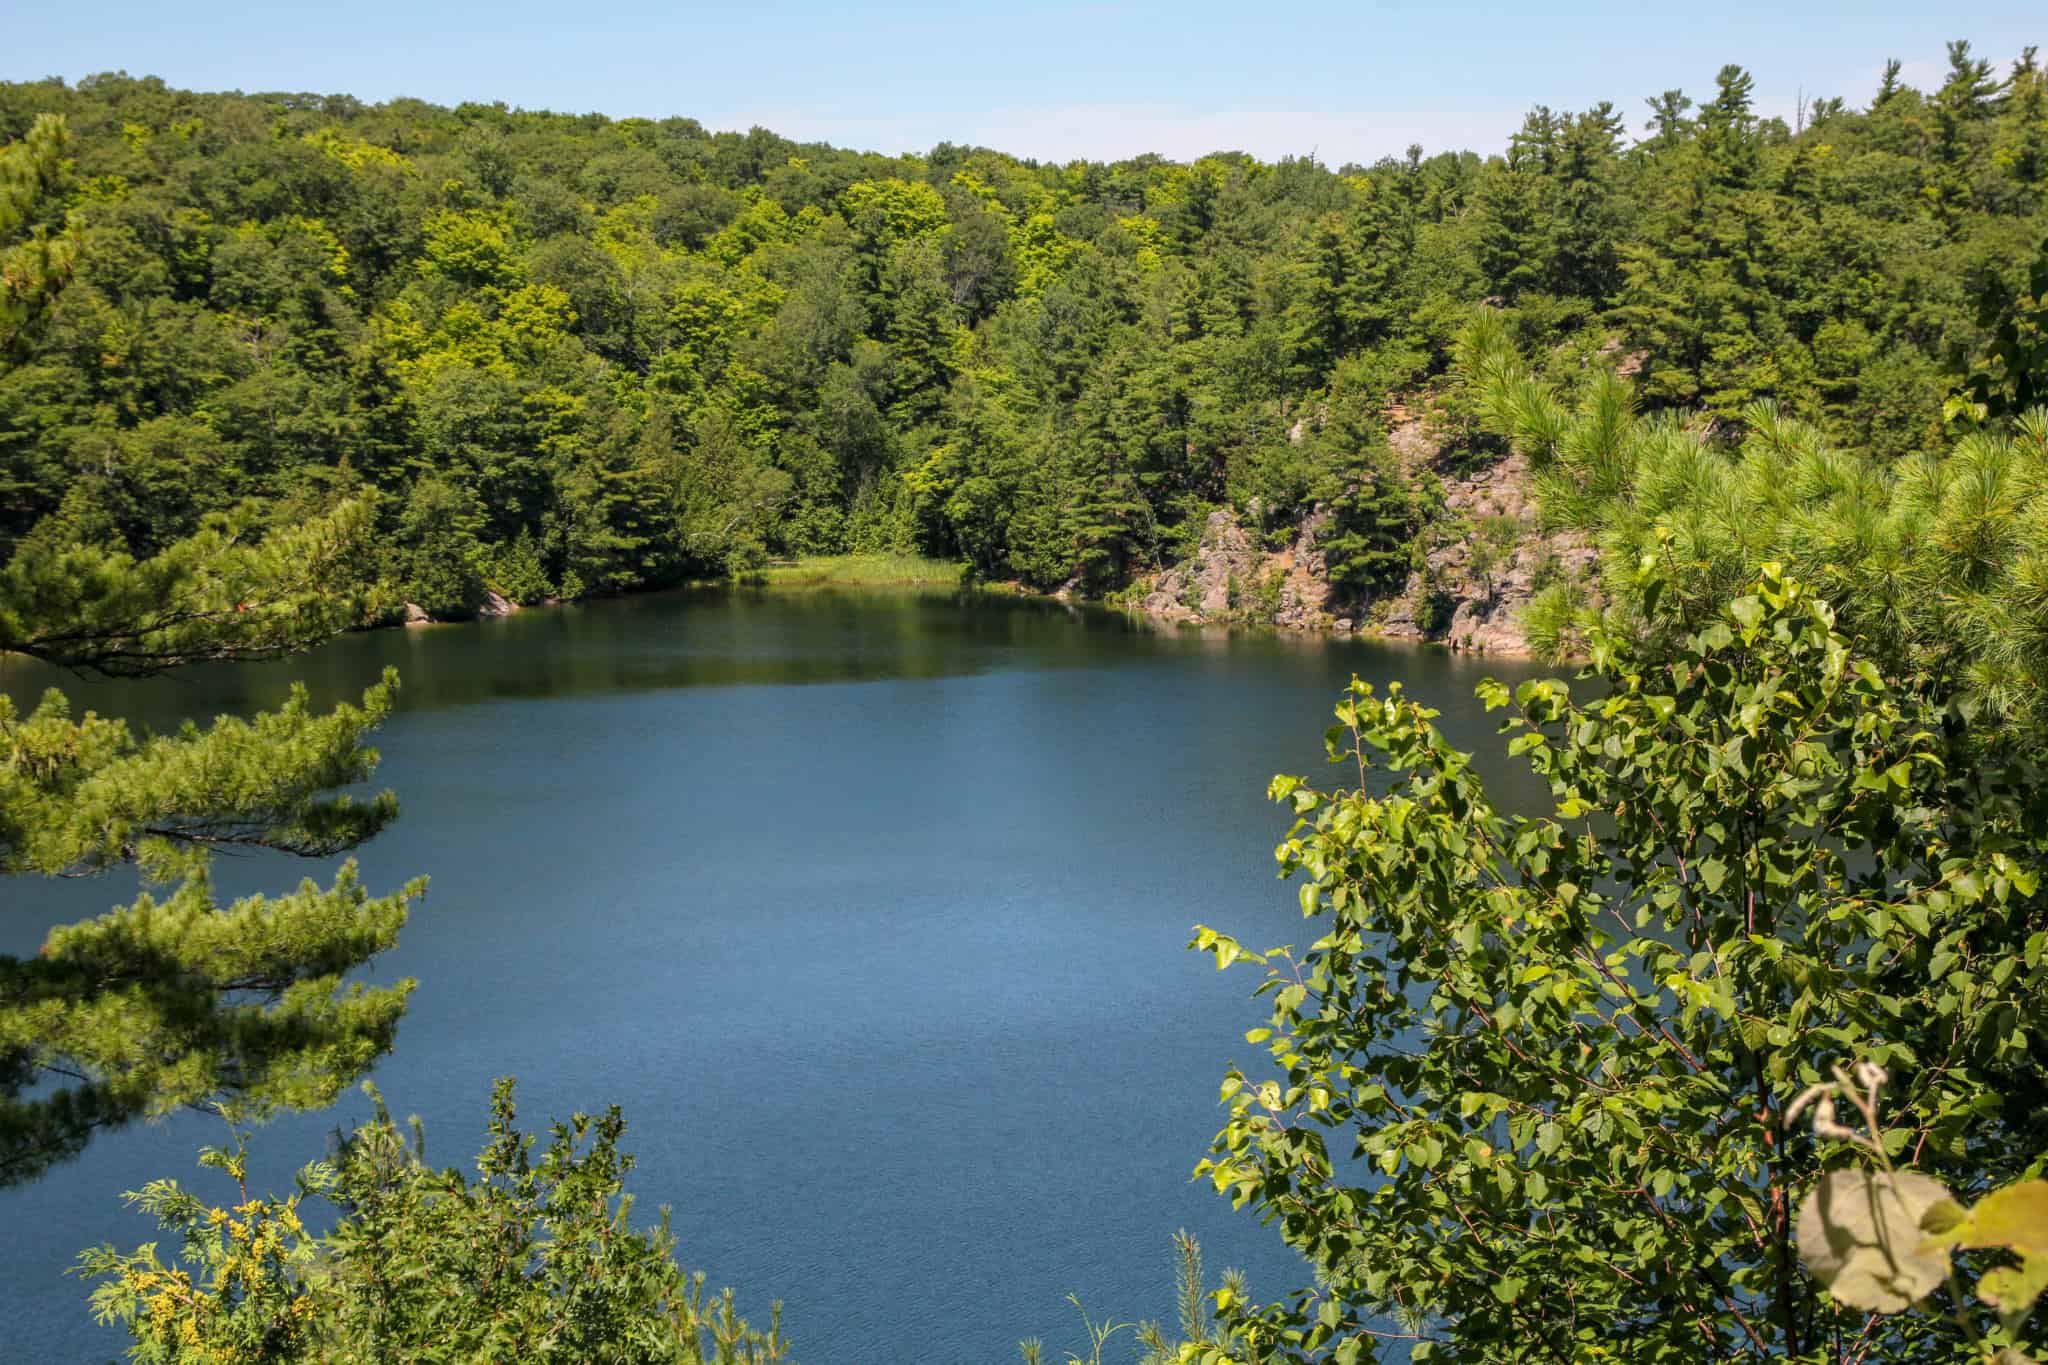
[572, 355]
[1745, 1031]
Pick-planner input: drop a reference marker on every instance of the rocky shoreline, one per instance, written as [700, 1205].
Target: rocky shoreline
[1485, 562]
[1467, 595]
[494, 604]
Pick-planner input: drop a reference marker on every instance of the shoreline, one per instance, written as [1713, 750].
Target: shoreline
[803, 576]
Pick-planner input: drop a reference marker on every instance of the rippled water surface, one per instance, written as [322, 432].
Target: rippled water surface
[870, 910]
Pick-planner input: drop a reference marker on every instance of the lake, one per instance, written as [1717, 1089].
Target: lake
[870, 909]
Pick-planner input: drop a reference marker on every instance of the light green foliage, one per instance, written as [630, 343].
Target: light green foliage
[85, 795]
[894, 210]
[534, 1258]
[470, 248]
[1937, 562]
[1530, 1084]
[1041, 252]
[34, 263]
[168, 1003]
[164, 1004]
[857, 571]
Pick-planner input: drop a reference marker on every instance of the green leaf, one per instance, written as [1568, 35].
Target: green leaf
[2012, 1289]
[2014, 1218]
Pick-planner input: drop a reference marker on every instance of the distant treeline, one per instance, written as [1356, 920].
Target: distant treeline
[578, 355]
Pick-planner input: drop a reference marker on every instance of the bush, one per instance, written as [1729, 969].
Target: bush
[534, 1260]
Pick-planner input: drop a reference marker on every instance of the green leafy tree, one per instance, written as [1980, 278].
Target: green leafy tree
[1534, 1080]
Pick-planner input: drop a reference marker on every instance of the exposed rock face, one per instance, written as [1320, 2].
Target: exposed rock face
[1477, 606]
[1305, 587]
[1201, 588]
[494, 604]
[1231, 577]
[1484, 610]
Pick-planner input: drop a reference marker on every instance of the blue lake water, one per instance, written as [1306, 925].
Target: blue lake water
[869, 909]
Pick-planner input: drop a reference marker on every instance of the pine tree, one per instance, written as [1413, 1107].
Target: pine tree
[918, 321]
[1515, 236]
[180, 1001]
[37, 264]
[1937, 563]
[1374, 510]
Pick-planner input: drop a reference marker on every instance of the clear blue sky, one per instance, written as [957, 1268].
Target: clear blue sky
[1350, 81]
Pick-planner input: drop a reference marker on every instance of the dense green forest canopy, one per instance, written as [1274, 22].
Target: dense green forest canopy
[572, 354]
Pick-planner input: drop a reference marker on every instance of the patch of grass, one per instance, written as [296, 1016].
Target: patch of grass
[860, 571]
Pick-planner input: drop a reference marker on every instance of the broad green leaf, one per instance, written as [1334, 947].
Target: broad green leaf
[2014, 1218]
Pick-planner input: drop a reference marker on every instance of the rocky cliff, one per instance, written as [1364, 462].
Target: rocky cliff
[1482, 565]
[1231, 577]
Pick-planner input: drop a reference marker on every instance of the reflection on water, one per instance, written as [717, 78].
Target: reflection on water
[644, 643]
[710, 637]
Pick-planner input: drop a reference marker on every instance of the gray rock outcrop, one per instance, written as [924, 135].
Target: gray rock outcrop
[1470, 596]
